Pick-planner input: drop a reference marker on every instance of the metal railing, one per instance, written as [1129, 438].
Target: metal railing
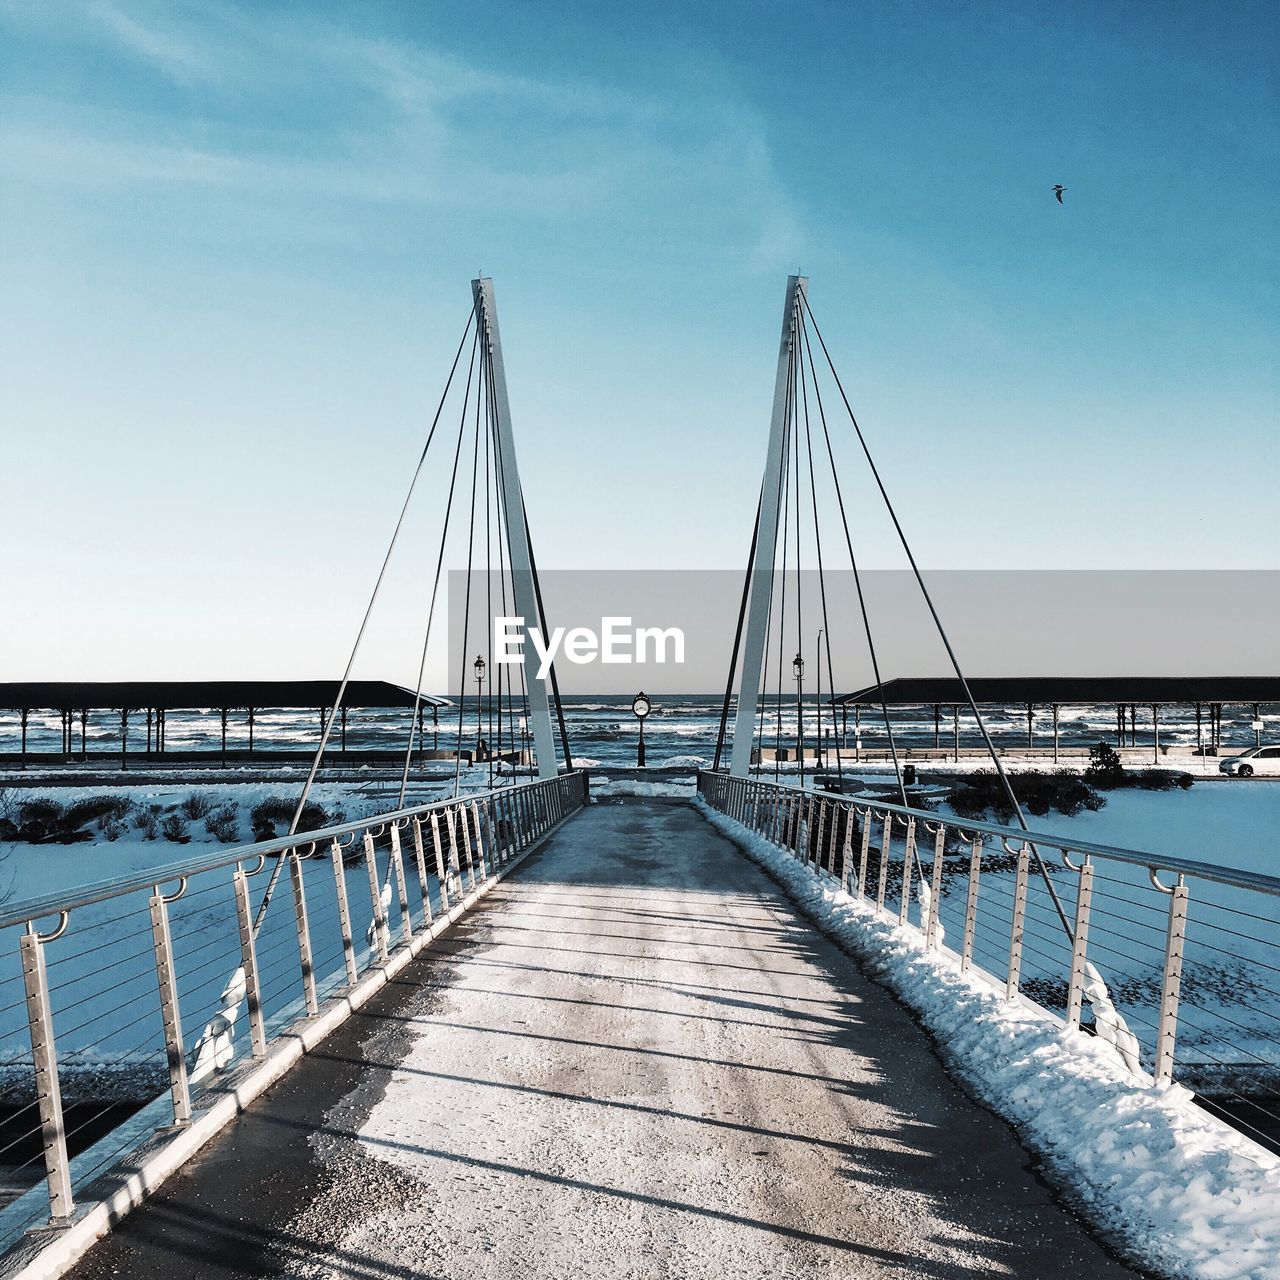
[100, 989]
[1188, 951]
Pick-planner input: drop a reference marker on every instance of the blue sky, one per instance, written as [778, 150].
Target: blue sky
[238, 241]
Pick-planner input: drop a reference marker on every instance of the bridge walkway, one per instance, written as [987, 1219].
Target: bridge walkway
[635, 1060]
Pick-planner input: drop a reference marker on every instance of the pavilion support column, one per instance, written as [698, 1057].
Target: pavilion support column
[937, 726]
[1055, 733]
[1119, 725]
[1199, 731]
[84, 718]
[1257, 725]
[435, 728]
[124, 737]
[343, 713]
[251, 731]
[26, 713]
[223, 714]
[1155, 733]
[148, 752]
[955, 729]
[1133, 725]
[1030, 730]
[857, 732]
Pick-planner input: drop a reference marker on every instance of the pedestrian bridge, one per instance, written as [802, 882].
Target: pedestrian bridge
[515, 1033]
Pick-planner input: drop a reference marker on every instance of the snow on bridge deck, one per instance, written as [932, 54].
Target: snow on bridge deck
[637, 1060]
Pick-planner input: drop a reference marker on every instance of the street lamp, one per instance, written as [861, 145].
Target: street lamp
[817, 657]
[640, 707]
[478, 667]
[797, 667]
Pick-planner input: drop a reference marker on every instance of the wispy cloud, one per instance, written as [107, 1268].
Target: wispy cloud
[301, 106]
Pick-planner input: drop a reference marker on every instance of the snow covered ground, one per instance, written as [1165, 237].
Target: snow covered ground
[1185, 1192]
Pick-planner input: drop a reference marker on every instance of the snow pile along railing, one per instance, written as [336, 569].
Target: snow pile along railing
[101, 990]
[1186, 953]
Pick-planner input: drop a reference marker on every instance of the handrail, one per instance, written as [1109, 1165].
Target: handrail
[19, 913]
[1255, 880]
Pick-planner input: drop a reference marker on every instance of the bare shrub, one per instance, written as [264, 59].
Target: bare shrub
[196, 806]
[175, 828]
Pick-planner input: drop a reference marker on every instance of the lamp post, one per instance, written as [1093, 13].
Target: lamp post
[797, 666]
[478, 667]
[640, 707]
[817, 750]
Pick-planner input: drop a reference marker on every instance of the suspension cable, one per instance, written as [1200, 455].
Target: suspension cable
[466, 608]
[355, 648]
[937, 621]
[737, 635]
[435, 585]
[857, 575]
[822, 580]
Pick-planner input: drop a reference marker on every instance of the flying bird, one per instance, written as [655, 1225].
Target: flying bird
[1058, 190]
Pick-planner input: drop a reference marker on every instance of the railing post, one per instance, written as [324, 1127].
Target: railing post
[935, 888]
[170, 1015]
[379, 924]
[475, 818]
[344, 914]
[971, 903]
[1018, 925]
[864, 855]
[441, 874]
[819, 849]
[424, 884]
[1079, 944]
[455, 866]
[1166, 1035]
[846, 846]
[885, 841]
[53, 1132]
[304, 934]
[908, 870]
[402, 885]
[249, 962]
[466, 844]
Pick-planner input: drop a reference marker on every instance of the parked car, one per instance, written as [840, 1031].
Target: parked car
[1260, 760]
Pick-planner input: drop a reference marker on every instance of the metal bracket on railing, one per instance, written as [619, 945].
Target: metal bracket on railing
[262, 862]
[172, 897]
[1066, 860]
[1153, 874]
[64, 918]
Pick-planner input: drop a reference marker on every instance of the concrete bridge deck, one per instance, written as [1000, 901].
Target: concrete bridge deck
[636, 1060]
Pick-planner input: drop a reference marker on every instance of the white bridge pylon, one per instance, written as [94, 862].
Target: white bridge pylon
[521, 561]
[752, 669]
